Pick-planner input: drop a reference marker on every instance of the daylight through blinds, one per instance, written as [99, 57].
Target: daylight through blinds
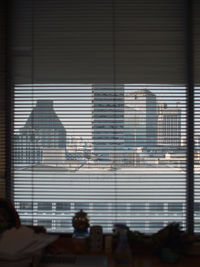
[117, 152]
[99, 113]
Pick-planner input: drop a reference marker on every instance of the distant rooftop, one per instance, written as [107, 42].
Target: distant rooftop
[143, 91]
[43, 116]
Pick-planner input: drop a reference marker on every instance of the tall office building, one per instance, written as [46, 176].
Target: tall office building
[140, 122]
[27, 150]
[43, 130]
[48, 129]
[169, 126]
[108, 121]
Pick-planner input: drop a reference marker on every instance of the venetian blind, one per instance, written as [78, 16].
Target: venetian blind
[196, 116]
[2, 96]
[99, 112]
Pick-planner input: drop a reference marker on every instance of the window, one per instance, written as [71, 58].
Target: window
[139, 226]
[100, 108]
[175, 209]
[81, 205]
[156, 225]
[46, 223]
[44, 206]
[116, 174]
[63, 206]
[26, 205]
[156, 208]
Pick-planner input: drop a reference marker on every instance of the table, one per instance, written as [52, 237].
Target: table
[141, 258]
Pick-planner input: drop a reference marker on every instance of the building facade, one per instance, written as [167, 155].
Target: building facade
[43, 130]
[169, 126]
[140, 122]
[108, 121]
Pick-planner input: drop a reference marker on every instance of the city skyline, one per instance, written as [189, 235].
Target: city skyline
[73, 103]
[125, 126]
[122, 184]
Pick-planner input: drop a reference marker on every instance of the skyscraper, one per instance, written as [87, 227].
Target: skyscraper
[169, 126]
[108, 121]
[27, 150]
[48, 128]
[42, 130]
[140, 122]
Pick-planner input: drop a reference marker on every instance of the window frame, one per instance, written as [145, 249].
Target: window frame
[189, 58]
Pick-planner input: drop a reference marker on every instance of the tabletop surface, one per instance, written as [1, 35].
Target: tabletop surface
[140, 258]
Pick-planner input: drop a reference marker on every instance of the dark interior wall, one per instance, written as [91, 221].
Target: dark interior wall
[2, 94]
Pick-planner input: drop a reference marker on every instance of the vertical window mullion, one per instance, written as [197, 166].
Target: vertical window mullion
[190, 115]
